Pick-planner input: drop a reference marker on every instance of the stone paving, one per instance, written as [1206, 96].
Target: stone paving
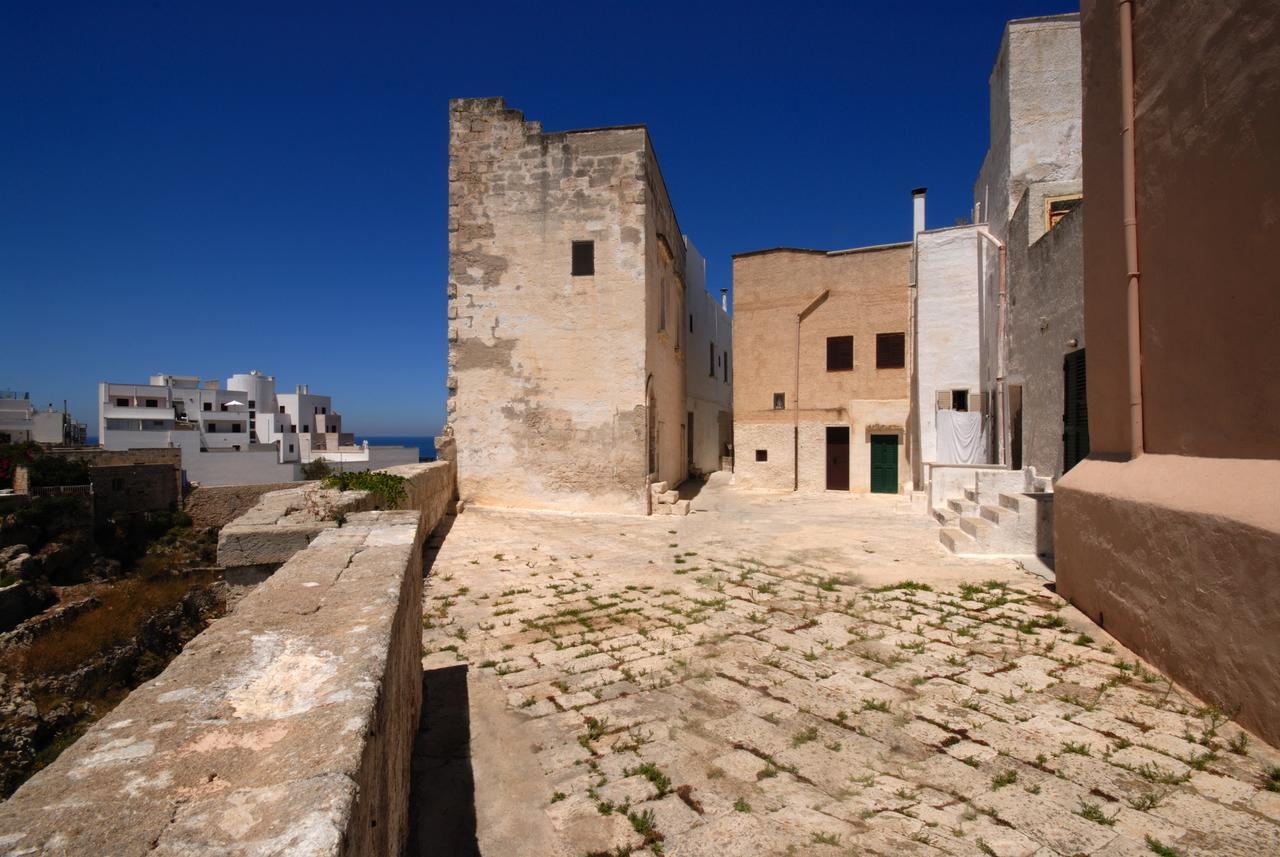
[815, 675]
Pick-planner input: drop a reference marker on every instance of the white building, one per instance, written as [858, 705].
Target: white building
[240, 433]
[708, 370]
[22, 422]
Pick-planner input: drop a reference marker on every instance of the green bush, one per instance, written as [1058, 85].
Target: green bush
[317, 469]
[54, 470]
[386, 487]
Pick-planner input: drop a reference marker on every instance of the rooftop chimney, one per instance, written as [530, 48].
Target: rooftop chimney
[724, 299]
[917, 211]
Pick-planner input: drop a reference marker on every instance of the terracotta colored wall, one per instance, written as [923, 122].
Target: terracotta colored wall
[1208, 128]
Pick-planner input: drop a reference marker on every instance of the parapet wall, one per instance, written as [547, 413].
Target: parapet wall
[285, 728]
[219, 505]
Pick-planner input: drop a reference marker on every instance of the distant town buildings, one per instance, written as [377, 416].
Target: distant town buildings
[240, 433]
[573, 332]
[23, 422]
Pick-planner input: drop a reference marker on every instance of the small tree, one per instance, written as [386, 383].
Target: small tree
[316, 469]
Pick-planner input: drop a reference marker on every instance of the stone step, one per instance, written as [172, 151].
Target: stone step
[997, 514]
[962, 507]
[971, 495]
[976, 527]
[945, 517]
[955, 540]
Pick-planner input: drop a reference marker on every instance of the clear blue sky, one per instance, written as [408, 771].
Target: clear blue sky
[207, 188]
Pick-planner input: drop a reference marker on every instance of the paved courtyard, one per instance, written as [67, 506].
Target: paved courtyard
[811, 675]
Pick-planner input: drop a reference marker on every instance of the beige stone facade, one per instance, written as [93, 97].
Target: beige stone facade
[566, 378]
[861, 293]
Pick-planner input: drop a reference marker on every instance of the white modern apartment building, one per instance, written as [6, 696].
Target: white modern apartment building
[23, 422]
[239, 433]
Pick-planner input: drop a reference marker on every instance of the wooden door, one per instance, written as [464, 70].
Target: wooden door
[837, 458]
[884, 463]
[1075, 410]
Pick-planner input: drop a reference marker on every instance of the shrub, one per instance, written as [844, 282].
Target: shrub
[317, 469]
[54, 470]
[389, 489]
[13, 455]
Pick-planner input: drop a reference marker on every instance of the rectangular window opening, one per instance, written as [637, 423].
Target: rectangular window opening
[959, 400]
[584, 258]
[711, 356]
[839, 353]
[762, 455]
[122, 403]
[891, 350]
[779, 401]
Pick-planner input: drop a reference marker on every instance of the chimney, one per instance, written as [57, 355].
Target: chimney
[917, 211]
[724, 299]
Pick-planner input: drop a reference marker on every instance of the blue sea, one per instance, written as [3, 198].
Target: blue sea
[426, 445]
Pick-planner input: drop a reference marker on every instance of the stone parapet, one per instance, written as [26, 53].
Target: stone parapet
[285, 728]
[219, 505]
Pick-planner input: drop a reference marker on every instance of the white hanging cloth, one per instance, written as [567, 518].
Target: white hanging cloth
[959, 437]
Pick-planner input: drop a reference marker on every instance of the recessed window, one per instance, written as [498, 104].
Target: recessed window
[291, 447]
[1058, 207]
[839, 353]
[222, 407]
[959, 400]
[152, 403]
[122, 403]
[282, 409]
[208, 406]
[779, 401]
[584, 258]
[762, 455]
[213, 428]
[252, 404]
[891, 350]
[711, 359]
[725, 364]
[306, 429]
[691, 324]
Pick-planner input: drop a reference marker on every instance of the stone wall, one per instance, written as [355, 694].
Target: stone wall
[1045, 316]
[547, 371]
[219, 505]
[132, 488]
[284, 728]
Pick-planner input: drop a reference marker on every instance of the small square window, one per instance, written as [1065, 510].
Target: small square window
[779, 401]
[959, 400]
[891, 350]
[282, 409]
[252, 404]
[152, 403]
[584, 258]
[839, 353]
[208, 406]
[762, 455]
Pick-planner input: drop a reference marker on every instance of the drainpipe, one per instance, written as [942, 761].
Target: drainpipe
[1000, 344]
[1130, 188]
[795, 432]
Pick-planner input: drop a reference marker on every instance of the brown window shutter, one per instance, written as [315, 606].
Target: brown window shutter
[891, 350]
[944, 400]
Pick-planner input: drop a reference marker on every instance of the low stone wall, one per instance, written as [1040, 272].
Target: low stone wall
[219, 505]
[285, 728]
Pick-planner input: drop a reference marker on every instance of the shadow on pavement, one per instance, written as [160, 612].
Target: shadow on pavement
[442, 792]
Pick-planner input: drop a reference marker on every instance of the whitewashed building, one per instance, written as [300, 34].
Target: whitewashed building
[23, 422]
[708, 370]
[239, 433]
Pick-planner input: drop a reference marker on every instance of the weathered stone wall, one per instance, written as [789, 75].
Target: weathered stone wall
[547, 371]
[868, 295]
[132, 488]
[285, 728]
[1045, 314]
[219, 505]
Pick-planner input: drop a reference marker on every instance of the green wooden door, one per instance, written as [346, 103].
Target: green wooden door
[884, 463]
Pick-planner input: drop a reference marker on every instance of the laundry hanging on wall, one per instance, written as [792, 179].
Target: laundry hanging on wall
[960, 437]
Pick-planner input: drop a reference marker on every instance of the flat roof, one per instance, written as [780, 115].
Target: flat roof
[870, 248]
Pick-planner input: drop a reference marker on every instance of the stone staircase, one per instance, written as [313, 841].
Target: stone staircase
[666, 500]
[992, 522]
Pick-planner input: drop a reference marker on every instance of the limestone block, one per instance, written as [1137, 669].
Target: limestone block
[680, 507]
[659, 487]
[668, 497]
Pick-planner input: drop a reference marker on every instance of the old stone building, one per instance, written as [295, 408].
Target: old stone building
[822, 367]
[1168, 534]
[567, 315]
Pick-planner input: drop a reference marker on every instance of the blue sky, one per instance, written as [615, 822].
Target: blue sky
[212, 188]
